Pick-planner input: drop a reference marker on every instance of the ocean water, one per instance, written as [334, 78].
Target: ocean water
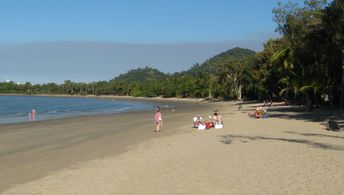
[16, 109]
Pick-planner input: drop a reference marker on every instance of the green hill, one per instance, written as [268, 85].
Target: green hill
[141, 75]
[211, 65]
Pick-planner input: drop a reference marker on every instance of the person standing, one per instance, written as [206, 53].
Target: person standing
[33, 114]
[157, 119]
[30, 117]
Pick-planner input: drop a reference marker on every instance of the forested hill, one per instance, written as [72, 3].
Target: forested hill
[223, 75]
[212, 65]
[141, 75]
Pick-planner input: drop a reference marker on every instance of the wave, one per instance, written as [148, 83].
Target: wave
[122, 109]
[11, 115]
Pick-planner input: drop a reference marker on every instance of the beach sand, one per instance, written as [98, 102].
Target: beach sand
[288, 153]
[29, 151]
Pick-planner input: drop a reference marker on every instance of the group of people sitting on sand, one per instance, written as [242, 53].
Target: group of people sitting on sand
[214, 122]
[262, 111]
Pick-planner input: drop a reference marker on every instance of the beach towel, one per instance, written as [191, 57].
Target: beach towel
[218, 126]
[201, 127]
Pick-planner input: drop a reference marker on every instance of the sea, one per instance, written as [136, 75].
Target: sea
[17, 109]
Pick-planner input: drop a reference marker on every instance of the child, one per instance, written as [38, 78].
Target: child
[157, 119]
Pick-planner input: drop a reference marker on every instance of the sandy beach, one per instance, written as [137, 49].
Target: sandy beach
[29, 151]
[288, 153]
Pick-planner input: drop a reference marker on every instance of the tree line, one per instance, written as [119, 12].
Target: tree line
[306, 64]
[214, 78]
[303, 66]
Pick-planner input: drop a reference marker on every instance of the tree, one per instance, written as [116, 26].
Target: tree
[300, 61]
[28, 87]
[334, 25]
[266, 74]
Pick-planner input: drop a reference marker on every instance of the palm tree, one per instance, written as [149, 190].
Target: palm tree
[333, 22]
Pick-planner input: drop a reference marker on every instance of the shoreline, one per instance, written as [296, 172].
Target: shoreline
[111, 96]
[29, 151]
[156, 100]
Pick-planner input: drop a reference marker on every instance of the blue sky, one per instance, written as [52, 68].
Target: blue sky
[91, 40]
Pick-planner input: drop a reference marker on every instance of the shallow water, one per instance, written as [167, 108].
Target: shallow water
[15, 109]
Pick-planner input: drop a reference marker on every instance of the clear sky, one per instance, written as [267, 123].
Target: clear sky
[91, 40]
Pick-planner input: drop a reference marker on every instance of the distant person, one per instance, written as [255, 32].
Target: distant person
[267, 103]
[33, 114]
[157, 119]
[30, 117]
[198, 120]
[260, 112]
[216, 118]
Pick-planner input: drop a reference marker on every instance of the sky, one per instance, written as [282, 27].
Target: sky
[45, 41]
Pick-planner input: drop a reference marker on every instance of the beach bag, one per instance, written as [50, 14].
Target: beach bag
[218, 126]
[333, 125]
[208, 125]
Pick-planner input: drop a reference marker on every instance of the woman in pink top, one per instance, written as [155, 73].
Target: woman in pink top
[157, 119]
[33, 114]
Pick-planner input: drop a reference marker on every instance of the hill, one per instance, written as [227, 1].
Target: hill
[141, 75]
[212, 64]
